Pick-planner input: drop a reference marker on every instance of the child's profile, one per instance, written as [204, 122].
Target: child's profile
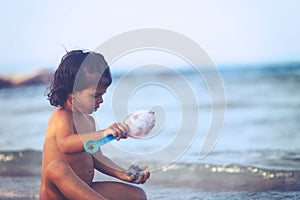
[77, 90]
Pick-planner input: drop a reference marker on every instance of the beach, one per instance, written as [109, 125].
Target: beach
[255, 157]
[21, 180]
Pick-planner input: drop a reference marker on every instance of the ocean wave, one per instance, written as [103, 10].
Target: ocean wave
[200, 176]
[20, 163]
[229, 178]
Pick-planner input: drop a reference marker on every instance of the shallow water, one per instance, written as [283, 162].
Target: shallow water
[256, 157]
[26, 188]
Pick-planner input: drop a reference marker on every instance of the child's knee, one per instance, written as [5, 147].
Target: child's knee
[140, 194]
[57, 169]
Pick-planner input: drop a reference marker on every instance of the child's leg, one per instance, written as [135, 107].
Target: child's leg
[118, 190]
[62, 183]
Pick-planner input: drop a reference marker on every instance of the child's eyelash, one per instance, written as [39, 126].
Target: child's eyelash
[97, 95]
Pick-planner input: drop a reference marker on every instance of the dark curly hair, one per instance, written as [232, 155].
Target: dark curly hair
[78, 70]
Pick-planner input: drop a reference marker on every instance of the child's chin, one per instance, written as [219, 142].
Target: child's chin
[88, 112]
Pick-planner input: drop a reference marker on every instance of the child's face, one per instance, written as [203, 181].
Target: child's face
[88, 100]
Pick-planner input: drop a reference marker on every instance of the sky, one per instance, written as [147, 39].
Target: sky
[34, 32]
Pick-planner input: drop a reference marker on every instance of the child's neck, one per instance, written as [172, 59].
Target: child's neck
[69, 106]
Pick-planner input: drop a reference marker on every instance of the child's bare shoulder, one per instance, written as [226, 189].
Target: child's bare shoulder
[61, 113]
[61, 117]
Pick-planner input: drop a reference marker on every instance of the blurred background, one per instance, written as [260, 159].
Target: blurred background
[253, 44]
[34, 33]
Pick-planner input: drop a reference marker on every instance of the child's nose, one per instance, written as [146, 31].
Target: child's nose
[99, 100]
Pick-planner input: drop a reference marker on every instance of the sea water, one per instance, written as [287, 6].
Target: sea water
[257, 155]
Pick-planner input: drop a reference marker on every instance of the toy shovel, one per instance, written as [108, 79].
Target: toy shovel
[140, 124]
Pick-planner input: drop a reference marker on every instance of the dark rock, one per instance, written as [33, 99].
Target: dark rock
[38, 79]
[5, 83]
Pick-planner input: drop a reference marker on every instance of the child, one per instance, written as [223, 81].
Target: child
[67, 170]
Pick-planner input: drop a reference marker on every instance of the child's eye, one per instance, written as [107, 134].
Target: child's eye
[97, 95]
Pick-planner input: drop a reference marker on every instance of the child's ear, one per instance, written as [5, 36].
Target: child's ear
[71, 95]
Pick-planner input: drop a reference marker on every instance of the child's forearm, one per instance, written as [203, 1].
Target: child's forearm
[74, 143]
[108, 167]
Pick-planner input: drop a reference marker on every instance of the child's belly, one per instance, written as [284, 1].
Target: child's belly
[83, 166]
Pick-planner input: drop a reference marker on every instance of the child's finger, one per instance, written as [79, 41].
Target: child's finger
[120, 130]
[137, 178]
[117, 133]
[114, 133]
[146, 176]
[140, 178]
[123, 127]
[133, 177]
[113, 130]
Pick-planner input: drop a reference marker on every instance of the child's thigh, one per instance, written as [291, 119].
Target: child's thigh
[48, 187]
[118, 190]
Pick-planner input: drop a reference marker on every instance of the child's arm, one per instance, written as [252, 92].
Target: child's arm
[108, 167]
[63, 124]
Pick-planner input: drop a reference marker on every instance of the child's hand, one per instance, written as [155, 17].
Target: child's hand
[119, 130]
[136, 175]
